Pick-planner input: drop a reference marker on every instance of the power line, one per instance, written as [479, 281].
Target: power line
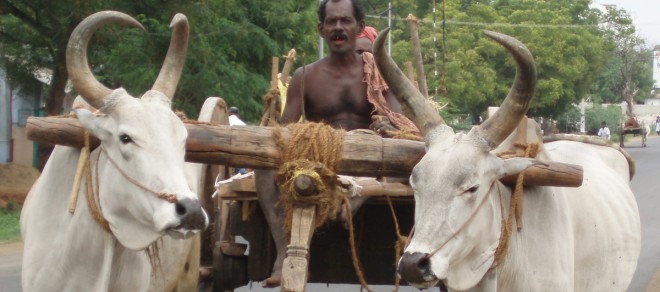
[456, 22]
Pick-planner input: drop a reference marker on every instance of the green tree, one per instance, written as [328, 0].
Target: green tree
[562, 35]
[627, 75]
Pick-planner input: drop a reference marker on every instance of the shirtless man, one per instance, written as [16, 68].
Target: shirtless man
[334, 93]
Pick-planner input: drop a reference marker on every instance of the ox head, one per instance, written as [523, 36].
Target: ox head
[456, 234]
[142, 142]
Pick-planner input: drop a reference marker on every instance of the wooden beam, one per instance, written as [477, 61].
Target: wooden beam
[254, 147]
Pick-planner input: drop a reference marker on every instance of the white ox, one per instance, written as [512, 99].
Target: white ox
[573, 239]
[140, 186]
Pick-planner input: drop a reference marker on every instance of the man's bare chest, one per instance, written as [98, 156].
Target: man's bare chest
[333, 98]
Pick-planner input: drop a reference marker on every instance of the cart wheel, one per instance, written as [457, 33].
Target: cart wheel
[214, 111]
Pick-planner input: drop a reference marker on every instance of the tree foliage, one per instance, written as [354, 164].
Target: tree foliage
[229, 54]
[232, 43]
[627, 74]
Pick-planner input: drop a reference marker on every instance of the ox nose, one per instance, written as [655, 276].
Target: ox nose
[415, 267]
[191, 214]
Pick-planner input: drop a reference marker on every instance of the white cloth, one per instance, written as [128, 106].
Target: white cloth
[657, 126]
[604, 133]
[235, 121]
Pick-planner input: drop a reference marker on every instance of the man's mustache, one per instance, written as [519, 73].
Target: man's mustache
[338, 36]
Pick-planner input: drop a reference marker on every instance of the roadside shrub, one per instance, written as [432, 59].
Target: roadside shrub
[612, 115]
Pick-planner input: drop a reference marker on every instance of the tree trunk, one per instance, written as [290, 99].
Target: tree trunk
[628, 98]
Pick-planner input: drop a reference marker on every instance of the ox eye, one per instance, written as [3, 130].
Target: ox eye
[472, 189]
[125, 139]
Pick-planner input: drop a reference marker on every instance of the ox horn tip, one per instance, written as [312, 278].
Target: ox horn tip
[380, 40]
[178, 18]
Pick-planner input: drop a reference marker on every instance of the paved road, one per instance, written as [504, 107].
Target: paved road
[645, 185]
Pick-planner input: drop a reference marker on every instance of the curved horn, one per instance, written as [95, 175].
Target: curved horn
[170, 73]
[514, 107]
[81, 76]
[414, 104]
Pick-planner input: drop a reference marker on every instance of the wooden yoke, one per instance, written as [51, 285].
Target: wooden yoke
[254, 147]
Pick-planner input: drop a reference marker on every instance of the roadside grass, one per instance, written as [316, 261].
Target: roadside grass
[10, 230]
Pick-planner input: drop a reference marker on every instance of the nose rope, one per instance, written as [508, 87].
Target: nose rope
[161, 195]
[474, 213]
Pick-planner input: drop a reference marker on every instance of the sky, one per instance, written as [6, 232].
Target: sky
[646, 14]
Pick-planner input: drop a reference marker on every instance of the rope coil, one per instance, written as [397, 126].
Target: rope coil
[314, 149]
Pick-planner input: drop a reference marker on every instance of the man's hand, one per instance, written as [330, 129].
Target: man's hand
[381, 125]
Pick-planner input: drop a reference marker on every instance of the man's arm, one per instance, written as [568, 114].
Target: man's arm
[294, 99]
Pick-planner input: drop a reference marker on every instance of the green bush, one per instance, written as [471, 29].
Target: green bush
[10, 229]
[612, 115]
[569, 122]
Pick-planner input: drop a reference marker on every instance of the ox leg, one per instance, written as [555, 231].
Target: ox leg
[268, 196]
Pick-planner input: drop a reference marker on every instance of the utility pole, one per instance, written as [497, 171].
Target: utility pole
[389, 25]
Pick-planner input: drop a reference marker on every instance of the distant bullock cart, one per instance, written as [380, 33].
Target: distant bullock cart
[634, 127]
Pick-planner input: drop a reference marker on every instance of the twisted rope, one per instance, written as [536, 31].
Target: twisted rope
[516, 204]
[314, 149]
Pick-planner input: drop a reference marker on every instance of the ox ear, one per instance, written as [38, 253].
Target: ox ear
[516, 165]
[92, 123]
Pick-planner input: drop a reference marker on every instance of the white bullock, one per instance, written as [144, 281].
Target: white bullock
[573, 239]
[140, 191]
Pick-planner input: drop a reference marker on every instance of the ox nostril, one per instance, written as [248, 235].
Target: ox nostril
[415, 267]
[191, 214]
[180, 209]
[424, 264]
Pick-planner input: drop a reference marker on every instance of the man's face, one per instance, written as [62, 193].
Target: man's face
[340, 27]
[363, 45]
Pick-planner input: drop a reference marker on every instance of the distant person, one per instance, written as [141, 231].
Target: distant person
[365, 40]
[235, 117]
[604, 131]
[657, 125]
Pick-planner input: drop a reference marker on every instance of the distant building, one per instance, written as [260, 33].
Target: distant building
[15, 108]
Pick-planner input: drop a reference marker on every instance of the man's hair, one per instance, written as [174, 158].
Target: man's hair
[358, 13]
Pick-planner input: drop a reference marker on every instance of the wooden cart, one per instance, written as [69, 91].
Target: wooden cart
[634, 127]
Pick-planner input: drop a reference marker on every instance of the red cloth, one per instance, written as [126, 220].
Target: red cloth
[376, 91]
[368, 32]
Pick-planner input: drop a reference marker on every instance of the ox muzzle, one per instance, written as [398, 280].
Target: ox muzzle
[192, 218]
[415, 268]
